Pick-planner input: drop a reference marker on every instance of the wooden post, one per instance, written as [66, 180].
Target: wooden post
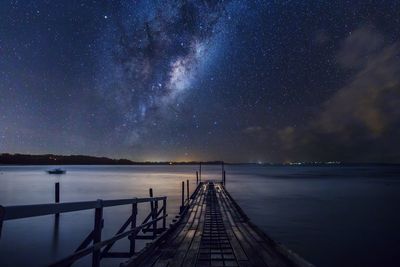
[152, 207]
[57, 195]
[151, 202]
[154, 218]
[98, 225]
[224, 178]
[132, 238]
[183, 196]
[222, 171]
[1, 218]
[164, 213]
[200, 172]
[197, 177]
[187, 191]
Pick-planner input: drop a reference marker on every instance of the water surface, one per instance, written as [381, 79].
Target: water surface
[332, 216]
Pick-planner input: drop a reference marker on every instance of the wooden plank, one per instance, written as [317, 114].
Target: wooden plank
[253, 252]
[26, 211]
[237, 249]
[250, 245]
[151, 255]
[231, 207]
[254, 241]
[191, 256]
[169, 252]
[186, 244]
[252, 255]
[269, 255]
[180, 254]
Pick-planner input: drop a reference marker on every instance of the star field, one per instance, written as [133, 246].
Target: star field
[242, 81]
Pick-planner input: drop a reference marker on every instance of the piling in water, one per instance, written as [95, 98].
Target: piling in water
[183, 197]
[200, 172]
[57, 195]
[187, 190]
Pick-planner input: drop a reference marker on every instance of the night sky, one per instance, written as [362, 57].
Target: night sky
[241, 81]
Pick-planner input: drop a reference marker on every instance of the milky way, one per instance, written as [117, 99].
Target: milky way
[153, 56]
[244, 81]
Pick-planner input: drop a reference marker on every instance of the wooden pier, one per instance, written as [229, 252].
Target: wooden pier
[211, 230]
[214, 231]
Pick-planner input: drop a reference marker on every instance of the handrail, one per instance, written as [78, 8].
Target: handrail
[27, 211]
[97, 246]
[93, 243]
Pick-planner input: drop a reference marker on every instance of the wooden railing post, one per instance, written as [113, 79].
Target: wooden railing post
[98, 225]
[151, 202]
[132, 238]
[164, 213]
[155, 211]
[197, 177]
[57, 195]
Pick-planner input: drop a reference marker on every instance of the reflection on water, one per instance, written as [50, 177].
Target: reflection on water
[54, 243]
[333, 216]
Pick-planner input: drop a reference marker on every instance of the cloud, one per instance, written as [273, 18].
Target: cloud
[253, 129]
[287, 137]
[258, 133]
[360, 121]
[359, 46]
[371, 99]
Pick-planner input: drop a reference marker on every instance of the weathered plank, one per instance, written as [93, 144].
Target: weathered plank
[191, 257]
[251, 240]
[169, 251]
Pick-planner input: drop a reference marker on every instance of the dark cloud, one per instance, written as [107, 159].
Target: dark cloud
[253, 130]
[360, 122]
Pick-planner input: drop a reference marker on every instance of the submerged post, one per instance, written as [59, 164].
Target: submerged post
[200, 171]
[1, 218]
[187, 190]
[57, 195]
[197, 177]
[183, 196]
[98, 225]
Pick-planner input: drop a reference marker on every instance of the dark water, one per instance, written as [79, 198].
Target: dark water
[332, 216]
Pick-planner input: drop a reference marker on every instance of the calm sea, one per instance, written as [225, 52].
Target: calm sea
[332, 216]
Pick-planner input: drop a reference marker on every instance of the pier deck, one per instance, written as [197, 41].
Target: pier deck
[214, 231]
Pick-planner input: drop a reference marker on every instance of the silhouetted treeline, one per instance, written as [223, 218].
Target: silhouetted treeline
[49, 159]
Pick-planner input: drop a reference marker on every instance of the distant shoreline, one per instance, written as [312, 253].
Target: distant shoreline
[51, 159]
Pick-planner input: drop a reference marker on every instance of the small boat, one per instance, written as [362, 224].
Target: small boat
[56, 171]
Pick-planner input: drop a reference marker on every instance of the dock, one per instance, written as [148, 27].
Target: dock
[214, 231]
[210, 230]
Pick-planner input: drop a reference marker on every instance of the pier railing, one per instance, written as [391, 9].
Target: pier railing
[93, 243]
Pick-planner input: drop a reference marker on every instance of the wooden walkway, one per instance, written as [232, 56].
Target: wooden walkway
[214, 231]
